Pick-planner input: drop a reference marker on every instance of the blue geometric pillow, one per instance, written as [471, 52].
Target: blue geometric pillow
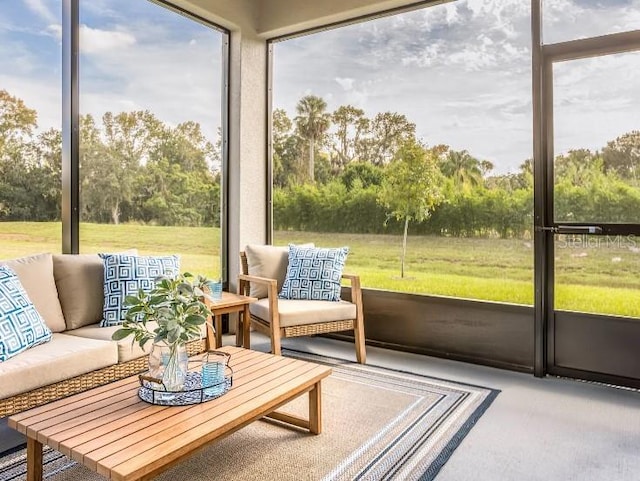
[125, 274]
[314, 273]
[21, 326]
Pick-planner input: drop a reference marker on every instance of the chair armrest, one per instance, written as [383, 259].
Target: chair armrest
[356, 291]
[352, 278]
[245, 279]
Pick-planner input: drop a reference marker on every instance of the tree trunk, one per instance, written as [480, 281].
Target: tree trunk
[404, 246]
[312, 154]
[115, 213]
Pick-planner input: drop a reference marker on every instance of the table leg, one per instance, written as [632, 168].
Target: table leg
[240, 330]
[211, 341]
[315, 409]
[246, 327]
[34, 460]
[218, 324]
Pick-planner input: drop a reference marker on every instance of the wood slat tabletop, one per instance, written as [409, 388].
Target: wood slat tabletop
[113, 432]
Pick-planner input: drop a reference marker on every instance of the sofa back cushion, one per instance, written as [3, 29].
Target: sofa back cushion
[21, 326]
[36, 276]
[125, 275]
[80, 282]
[314, 273]
[267, 261]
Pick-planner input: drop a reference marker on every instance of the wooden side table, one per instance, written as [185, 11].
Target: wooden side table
[229, 303]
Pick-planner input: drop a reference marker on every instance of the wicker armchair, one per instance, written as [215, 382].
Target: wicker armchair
[280, 318]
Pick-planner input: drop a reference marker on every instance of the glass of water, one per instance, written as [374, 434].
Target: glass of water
[215, 288]
[214, 365]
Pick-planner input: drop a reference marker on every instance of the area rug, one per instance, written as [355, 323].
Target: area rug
[378, 424]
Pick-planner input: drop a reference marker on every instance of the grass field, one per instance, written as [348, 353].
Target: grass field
[592, 274]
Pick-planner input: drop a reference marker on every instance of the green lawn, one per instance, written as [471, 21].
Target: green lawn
[590, 277]
[199, 247]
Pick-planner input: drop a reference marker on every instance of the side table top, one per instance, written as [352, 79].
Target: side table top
[229, 299]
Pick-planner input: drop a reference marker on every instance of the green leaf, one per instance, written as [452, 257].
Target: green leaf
[131, 300]
[195, 320]
[134, 310]
[121, 334]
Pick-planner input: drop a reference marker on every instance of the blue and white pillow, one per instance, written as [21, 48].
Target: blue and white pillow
[125, 274]
[21, 326]
[314, 273]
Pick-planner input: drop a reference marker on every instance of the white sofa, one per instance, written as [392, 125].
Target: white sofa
[67, 291]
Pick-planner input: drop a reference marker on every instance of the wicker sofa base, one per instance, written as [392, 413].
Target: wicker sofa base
[62, 389]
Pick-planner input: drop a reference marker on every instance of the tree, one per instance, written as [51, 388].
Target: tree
[129, 138]
[351, 125]
[387, 132]
[411, 187]
[363, 172]
[285, 150]
[18, 167]
[17, 121]
[622, 155]
[463, 168]
[579, 167]
[312, 123]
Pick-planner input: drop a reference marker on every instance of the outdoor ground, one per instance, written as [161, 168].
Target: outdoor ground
[593, 274]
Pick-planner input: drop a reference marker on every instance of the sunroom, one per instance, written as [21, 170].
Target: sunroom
[199, 127]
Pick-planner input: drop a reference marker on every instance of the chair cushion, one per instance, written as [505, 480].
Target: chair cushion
[36, 276]
[298, 313]
[80, 282]
[125, 274]
[64, 357]
[21, 326]
[314, 273]
[267, 261]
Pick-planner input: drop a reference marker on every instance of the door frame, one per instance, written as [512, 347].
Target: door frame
[547, 320]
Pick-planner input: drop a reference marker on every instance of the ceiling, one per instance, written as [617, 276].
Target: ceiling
[274, 18]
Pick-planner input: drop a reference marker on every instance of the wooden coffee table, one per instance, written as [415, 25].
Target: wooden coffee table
[111, 431]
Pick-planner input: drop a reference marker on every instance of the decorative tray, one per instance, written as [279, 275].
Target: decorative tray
[152, 391]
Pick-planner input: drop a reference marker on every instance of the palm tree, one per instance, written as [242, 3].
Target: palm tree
[463, 168]
[312, 122]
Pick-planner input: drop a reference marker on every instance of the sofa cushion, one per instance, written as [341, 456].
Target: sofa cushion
[125, 274]
[62, 358]
[36, 276]
[126, 351]
[21, 326]
[314, 273]
[80, 282]
[267, 261]
[299, 313]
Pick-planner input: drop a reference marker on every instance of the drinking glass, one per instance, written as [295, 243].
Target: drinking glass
[214, 365]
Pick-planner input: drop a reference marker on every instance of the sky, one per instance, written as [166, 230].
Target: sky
[460, 71]
[134, 56]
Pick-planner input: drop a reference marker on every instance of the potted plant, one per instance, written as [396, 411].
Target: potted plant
[170, 315]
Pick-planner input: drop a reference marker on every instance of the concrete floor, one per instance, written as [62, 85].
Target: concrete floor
[536, 429]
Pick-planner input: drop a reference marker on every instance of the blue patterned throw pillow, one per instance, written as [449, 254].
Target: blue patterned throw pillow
[125, 274]
[314, 273]
[21, 326]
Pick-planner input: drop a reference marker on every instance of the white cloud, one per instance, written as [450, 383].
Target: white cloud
[55, 31]
[39, 8]
[345, 83]
[94, 40]
[420, 62]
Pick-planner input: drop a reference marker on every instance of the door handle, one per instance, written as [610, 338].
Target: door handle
[579, 229]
